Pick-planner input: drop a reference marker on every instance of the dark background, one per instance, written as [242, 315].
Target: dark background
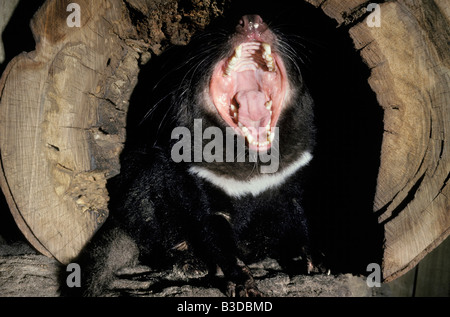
[342, 177]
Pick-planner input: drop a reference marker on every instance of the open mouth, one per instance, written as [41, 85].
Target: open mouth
[248, 90]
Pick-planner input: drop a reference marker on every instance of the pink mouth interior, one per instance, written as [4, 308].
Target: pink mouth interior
[241, 95]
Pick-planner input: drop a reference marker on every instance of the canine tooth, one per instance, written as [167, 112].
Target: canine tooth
[233, 60]
[249, 138]
[266, 47]
[268, 127]
[267, 56]
[238, 51]
[268, 105]
[271, 137]
[233, 108]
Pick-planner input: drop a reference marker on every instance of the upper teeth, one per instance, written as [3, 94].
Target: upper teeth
[267, 56]
[244, 57]
[233, 60]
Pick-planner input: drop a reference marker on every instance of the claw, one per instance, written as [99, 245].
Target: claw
[245, 288]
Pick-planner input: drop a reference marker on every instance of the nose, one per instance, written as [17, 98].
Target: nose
[251, 25]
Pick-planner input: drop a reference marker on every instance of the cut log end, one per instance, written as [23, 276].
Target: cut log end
[63, 114]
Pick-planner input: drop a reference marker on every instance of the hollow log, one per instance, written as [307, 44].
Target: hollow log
[409, 58]
[63, 114]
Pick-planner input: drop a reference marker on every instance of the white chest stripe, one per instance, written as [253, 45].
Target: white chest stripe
[255, 185]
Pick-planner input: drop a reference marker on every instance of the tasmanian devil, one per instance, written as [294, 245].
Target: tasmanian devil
[226, 187]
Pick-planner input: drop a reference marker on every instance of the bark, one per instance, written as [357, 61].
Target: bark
[27, 274]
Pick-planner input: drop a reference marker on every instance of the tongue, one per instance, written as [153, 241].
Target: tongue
[252, 109]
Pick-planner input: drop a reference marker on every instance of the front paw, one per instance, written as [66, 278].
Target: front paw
[316, 265]
[316, 268]
[245, 286]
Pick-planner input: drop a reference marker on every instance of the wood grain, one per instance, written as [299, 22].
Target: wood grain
[409, 59]
[56, 154]
[410, 63]
[63, 109]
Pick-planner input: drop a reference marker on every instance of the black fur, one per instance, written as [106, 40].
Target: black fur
[156, 203]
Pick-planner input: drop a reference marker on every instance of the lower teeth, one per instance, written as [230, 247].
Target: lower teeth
[246, 131]
[251, 140]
